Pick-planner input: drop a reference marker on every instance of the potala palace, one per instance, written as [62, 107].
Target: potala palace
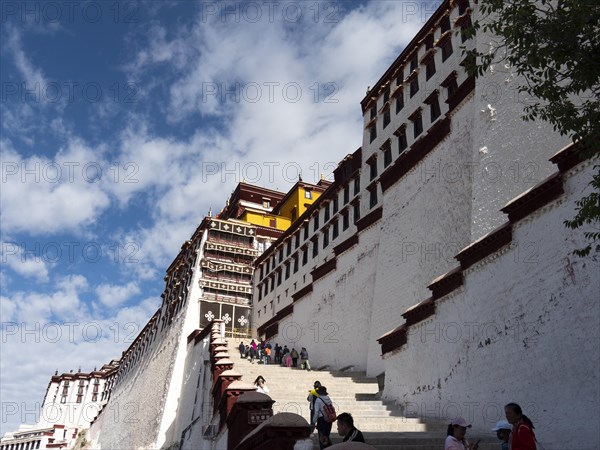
[432, 278]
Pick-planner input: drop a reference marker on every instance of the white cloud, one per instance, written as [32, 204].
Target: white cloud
[265, 141]
[63, 304]
[42, 195]
[32, 75]
[113, 295]
[30, 266]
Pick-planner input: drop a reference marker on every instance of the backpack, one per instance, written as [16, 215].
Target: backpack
[329, 413]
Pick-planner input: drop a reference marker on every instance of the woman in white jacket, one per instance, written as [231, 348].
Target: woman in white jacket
[261, 385]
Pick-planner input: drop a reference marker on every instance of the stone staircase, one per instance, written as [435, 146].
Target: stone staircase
[381, 423]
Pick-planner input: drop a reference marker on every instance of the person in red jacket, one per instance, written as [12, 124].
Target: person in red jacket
[522, 436]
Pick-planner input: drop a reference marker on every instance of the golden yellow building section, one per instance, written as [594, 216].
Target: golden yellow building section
[297, 200]
[272, 209]
[263, 219]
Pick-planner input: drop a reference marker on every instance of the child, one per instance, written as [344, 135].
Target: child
[503, 430]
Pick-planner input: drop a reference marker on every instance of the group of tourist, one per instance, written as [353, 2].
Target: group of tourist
[516, 433]
[263, 352]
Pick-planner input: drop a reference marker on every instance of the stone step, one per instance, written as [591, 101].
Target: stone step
[351, 392]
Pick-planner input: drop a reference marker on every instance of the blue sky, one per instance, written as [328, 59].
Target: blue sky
[123, 123]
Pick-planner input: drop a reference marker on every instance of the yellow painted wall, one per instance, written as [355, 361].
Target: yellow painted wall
[298, 200]
[264, 220]
[283, 221]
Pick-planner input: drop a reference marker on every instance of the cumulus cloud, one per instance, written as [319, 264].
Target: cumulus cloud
[113, 295]
[42, 195]
[27, 265]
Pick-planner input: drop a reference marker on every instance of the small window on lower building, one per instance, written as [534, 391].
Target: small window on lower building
[418, 126]
[399, 101]
[401, 135]
[305, 256]
[372, 132]
[386, 118]
[430, 68]
[466, 31]
[345, 220]
[414, 87]
[372, 162]
[445, 23]
[387, 157]
[450, 84]
[373, 197]
[315, 250]
[325, 237]
[417, 121]
[356, 211]
[446, 49]
[434, 107]
[334, 230]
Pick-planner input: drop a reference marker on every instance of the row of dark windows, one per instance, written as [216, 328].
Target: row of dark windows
[328, 236]
[29, 445]
[430, 70]
[329, 210]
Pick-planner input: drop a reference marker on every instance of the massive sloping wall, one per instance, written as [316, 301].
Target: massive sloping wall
[523, 328]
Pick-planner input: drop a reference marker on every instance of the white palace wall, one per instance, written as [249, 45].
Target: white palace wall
[134, 412]
[333, 321]
[144, 404]
[425, 223]
[195, 408]
[510, 155]
[523, 328]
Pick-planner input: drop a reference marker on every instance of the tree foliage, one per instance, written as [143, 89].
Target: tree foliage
[555, 46]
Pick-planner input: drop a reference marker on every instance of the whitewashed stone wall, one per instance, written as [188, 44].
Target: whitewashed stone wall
[333, 321]
[133, 414]
[509, 154]
[196, 405]
[143, 409]
[523, 328]
[425, 223]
